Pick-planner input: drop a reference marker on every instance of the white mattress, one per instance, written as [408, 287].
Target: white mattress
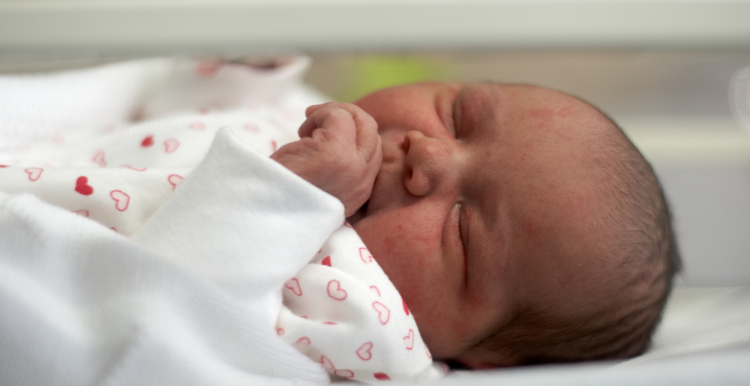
[704, 339]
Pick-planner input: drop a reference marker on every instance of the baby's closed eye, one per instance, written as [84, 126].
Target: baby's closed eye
[457, 234]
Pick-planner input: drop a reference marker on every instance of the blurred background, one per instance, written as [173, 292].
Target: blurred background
[661, 69]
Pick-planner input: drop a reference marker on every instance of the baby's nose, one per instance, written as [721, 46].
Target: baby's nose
[426, 164]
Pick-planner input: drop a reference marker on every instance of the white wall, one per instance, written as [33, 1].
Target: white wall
[116, 26]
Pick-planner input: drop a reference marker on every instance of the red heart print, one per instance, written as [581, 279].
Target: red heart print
[363, 352]
[148, 141]
[171, 145]
[331, 323]
[288, 112]
[273, 145]
[326, 261]
[208, 68]
[365, 255]
[346, 224]
[136, 169]
[280, 331]
[406, 309]
[83, 187]
[99, 158]
[444, 366]
[251, 127]
[34, 173]
[335, 291]
[198, 126]
[174, 180]
[344, 373]
[82, 212]
[326, 363]
[293, 284]
[114, 229]
[384, 314]
[409, 340]
[375, 289]
[382, 377]
[303, 340]
[3, 166]
[122, 200]
[427, 351]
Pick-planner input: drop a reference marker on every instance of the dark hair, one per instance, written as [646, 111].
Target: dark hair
[643, 244]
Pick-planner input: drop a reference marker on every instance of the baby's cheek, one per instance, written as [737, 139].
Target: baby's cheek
[441, 326]
[384, 248]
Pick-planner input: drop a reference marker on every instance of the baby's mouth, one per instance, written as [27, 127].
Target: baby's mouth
[393, 147]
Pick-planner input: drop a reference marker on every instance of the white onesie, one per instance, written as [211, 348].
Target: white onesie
[340, 310]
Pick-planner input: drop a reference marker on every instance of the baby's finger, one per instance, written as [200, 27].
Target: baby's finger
[315, 108]
[367, 128]
[315, 118]
[333, 118]
[368, 139]
[310, 124]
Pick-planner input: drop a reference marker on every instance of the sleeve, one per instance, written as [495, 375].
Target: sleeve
[276, 222]
[192, 297]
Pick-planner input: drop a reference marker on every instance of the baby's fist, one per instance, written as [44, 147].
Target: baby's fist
[339, 152]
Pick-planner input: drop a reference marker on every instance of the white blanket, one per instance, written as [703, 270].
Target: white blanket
[174, 304]
[115, 310]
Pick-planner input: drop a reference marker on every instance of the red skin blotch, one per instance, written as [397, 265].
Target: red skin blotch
[532, 229]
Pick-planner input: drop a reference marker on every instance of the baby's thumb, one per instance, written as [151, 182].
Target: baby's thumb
[315, 108]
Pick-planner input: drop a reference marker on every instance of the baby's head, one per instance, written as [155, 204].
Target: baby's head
[519, 224]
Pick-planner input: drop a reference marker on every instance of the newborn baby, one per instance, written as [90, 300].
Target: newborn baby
[518, 223]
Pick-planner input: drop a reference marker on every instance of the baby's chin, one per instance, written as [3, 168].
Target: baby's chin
[358, 215]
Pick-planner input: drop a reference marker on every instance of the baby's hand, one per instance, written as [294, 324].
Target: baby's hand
[339, 152]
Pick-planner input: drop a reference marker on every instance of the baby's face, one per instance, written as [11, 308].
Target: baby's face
[480, 206]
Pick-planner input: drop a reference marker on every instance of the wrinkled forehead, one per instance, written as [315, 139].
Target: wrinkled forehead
[521, 102]
[540, 127]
